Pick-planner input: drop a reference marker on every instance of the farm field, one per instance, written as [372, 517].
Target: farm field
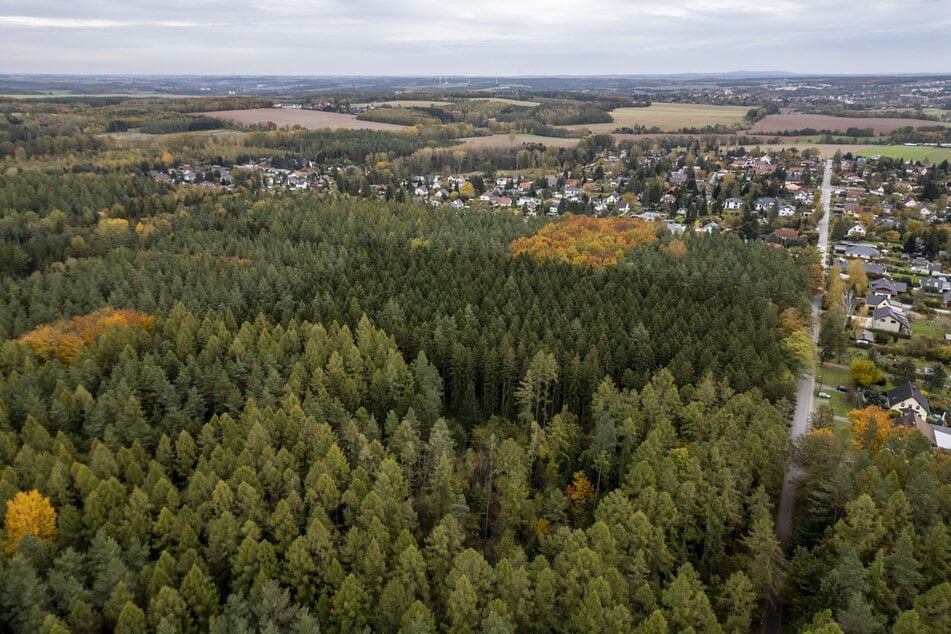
[140, 138]
[309, 119]
[670, 117]
[907, 152]
[511, 102]
[782, 122]
[410, 103]
[511, 140]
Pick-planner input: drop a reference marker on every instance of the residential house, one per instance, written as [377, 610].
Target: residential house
[787, 211]
[886, 319]
[922, 266]
[733, 204]
[863, 252]
[935, 285]
[803, 196]
[881, 301]
[887, 287]
[856, 231]
[786, 234]
[906, 398]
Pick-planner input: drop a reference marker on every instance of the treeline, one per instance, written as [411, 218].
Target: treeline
[327, 146]
[168, 125]
[22, 138]
[836, 110]
[401, 116]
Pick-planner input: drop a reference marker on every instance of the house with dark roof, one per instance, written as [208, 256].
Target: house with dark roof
[887, 287]
[880, 301]
[863, 252]
[884, 318]
[935, 285]
[907, 399]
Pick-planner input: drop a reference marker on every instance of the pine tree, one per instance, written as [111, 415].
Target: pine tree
[131, 619]
[351, 605]
[201, 597]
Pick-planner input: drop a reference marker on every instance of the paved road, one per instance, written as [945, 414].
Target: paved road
[826, 201]
[805, 394]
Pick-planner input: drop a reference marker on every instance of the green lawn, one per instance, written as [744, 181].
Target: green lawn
[909, 153]
[932, 328]
[833, 376]
[840, 406]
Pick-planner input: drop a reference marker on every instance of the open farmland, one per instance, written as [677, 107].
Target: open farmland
[670, 117]
[827, 150]
[507, 101]
[907, 152]
[411, 103]
[513, 140]
[788, 122]
[309, 119]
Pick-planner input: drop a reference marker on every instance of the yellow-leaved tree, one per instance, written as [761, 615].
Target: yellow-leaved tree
[29, 512]
[872, 427]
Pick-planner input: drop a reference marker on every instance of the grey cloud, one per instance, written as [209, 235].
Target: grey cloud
[477, 36]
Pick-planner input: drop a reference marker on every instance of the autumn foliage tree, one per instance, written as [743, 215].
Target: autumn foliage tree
[63, 338]
[864, 373]
[872, 427]
[586, 241]
[29, 512]
[581, 494]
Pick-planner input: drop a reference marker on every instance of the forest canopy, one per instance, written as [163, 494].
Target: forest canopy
[229, 408]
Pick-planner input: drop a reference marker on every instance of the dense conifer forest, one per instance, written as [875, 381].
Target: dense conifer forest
[250, 411]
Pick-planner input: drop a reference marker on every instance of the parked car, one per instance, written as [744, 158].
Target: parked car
[842, 388]
[824, 395]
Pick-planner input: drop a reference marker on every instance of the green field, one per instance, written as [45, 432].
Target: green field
[411, 103]
[670, 117]
[909, 153]
[845, 140]
[510, 102]
[932, 328]
[833, 375]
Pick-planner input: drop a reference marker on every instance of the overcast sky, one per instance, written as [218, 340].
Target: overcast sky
[475, 37]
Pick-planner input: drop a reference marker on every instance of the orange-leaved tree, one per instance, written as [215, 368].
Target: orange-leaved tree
[29, 512]
[586, 241]
[872, 427]
[63, 338]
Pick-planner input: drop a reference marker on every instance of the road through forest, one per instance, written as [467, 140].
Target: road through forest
[804, 402]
